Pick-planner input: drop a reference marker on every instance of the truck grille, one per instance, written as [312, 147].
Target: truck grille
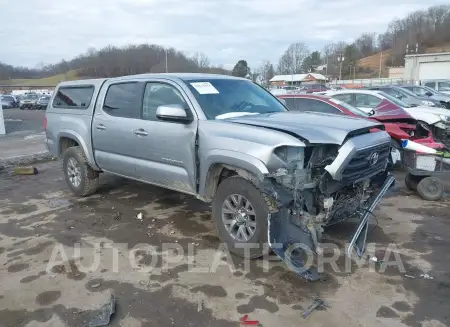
[366, 163]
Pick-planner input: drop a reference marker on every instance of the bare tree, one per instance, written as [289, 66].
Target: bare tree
[201, 60]
[266, 72]
[292, 59]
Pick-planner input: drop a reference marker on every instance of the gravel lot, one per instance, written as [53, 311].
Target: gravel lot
[40, 221]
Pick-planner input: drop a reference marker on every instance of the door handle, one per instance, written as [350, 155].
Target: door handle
[140, 132]
[100, 126]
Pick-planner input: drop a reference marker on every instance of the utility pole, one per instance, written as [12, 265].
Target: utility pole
[381, 60]
[2, 122]
[294, 64]
[166, 61]
[341, 61]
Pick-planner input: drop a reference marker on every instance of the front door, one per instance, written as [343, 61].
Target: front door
[166, 151]
[112, 129]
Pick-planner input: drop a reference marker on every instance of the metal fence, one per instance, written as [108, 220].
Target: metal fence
[355, 83]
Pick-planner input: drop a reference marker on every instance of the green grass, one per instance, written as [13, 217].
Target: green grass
[47, 81]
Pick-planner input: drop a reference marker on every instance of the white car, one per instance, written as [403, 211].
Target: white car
[437, 120]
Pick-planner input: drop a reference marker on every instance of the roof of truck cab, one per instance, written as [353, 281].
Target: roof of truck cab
[177, 76]
[82, 82]
[169, 76]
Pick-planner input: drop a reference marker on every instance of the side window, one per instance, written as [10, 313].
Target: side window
[366, 101]
[443, 86]
[316, 106]
[73, 97]
[291, 103]
[347, 98]
[430, 84]
[123, 100]
[158, 94]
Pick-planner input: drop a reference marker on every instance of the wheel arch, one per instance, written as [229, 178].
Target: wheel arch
[68, 138]
[221, 164]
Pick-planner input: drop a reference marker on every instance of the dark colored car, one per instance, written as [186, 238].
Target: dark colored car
[407, 96]
[424, 91]
[9, 101]
[312, 88]
[42, 103]
[397, 122]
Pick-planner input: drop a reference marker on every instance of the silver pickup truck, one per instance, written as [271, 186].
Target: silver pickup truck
[274, 177]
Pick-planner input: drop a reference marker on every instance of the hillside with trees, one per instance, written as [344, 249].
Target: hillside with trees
[117, 61]
[423, 30]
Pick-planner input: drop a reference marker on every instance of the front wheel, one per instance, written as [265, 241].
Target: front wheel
[80, 177]
[240, 213]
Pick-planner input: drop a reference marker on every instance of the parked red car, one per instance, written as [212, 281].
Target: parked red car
[398, 123]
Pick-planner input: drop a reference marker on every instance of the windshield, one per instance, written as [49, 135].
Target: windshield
[6, 97]
[349, 107]
[396, 101]
[218, 97]
[30, 97]
[406, 91]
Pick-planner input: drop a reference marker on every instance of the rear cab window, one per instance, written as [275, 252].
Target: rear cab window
[73, 97]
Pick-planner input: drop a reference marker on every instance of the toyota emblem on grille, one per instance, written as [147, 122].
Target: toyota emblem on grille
[374, 158]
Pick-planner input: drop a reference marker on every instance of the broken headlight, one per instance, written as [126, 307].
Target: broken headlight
[290, 153]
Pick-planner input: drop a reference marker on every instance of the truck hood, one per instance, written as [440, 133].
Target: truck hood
[310, 127]
[428, 110]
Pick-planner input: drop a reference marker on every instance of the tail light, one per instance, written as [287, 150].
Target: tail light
[45, 122]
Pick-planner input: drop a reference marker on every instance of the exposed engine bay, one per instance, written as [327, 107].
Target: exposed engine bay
[307, 198]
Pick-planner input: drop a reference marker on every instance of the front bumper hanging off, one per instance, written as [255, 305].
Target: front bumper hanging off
[297, 247]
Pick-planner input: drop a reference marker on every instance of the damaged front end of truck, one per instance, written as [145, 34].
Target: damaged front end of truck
[320, 185]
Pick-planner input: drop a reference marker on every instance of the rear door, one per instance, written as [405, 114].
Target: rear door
[115, 120]
[315, 105]
[166, 150]
[346, 97]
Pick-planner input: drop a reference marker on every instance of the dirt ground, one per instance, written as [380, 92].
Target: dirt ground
[45, 281]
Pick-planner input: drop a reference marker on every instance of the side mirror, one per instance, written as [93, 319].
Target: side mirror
[429, 93]
[173, 112]
[399, 96]
[283, 102]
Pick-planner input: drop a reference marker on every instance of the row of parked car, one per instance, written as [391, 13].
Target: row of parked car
[422, 119]
[26, 101]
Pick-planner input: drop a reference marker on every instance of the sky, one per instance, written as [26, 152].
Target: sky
[33, 32]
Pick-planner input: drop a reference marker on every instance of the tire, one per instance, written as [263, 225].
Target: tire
[412, 181]
[430, 189]
[237, 185]
[88, 178]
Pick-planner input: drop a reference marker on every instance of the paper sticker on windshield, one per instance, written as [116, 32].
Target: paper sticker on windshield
[205, 88]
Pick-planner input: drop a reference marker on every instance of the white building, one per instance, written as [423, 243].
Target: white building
[427, 66]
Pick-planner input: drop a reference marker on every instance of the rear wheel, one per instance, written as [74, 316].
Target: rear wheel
[240, 213]
[80, 177]
[430, 188]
